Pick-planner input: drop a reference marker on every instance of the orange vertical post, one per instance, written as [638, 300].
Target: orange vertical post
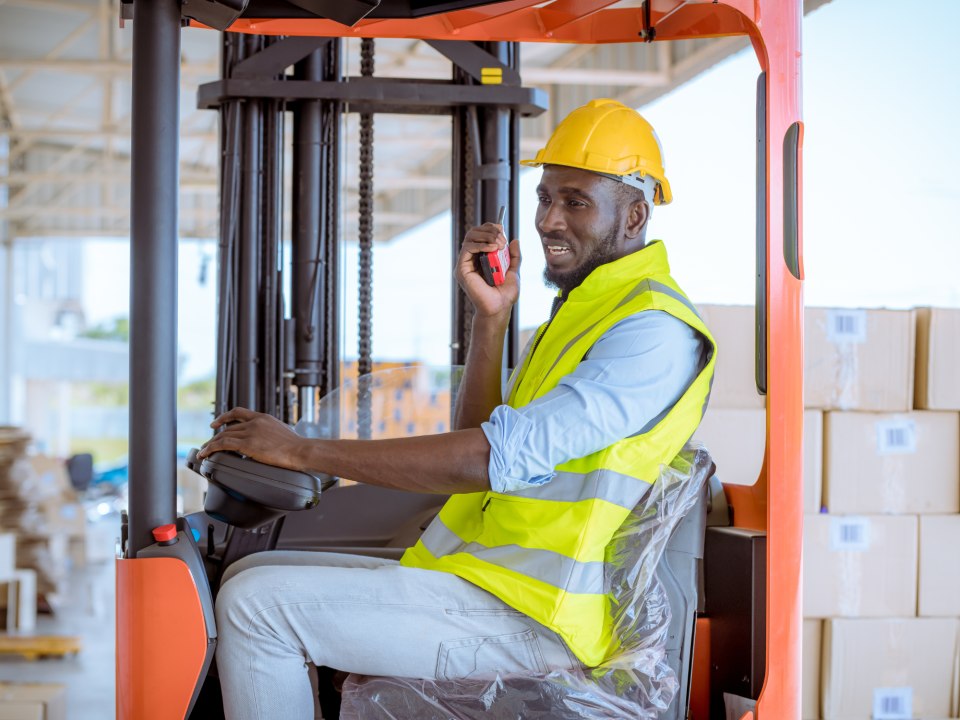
[161, 639]
[779, 24]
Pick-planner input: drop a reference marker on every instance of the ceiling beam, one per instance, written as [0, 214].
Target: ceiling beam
[58, 50]
[24, 235]
[96, 133]
[187, 180]
[47, 212]
[105, 66]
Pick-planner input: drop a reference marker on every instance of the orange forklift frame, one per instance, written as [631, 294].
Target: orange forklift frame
[159, 618]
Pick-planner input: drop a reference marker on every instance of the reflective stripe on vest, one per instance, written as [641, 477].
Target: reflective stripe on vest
[548, 567]
[608, 485]
[541, 549]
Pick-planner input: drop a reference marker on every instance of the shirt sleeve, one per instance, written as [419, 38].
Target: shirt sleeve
[629, 379]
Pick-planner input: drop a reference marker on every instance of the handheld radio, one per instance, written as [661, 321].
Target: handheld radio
[495, 264]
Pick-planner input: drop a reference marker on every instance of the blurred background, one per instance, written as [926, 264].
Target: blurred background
[881, 230]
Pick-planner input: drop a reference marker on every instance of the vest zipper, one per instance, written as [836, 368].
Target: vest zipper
[484, 508]
[557, 303]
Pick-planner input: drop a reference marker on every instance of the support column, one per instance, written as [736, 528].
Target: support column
[155, 146]
[6, 343]
[248, 281]
[499, 174]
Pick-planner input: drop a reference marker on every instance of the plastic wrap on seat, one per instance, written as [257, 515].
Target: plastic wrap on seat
[634, 681]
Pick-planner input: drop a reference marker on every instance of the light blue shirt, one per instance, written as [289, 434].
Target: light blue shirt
[627, 381]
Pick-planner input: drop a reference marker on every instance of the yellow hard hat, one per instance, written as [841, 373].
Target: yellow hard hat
[607, 137]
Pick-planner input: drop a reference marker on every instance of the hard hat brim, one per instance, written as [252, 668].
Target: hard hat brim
[667, 195]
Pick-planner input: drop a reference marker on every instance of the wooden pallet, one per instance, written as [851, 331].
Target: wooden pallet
[36, 646]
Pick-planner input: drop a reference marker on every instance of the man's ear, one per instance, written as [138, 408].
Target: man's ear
[638, 213]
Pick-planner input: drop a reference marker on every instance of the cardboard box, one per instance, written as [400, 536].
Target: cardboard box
[25, 698]
[858, 359]
[734, 375]
[891, 463]
[52, 475]
[810, 671]
[736, 440]
[937, 382]
[812, 460]
[860, 566]
[939, 586]
[61, 516]
[906, 664]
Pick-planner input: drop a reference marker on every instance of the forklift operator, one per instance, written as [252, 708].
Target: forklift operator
[509, 577]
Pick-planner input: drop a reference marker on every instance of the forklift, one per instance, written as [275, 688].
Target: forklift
[739, 612]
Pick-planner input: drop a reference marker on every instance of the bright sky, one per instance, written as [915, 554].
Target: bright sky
[881, 193]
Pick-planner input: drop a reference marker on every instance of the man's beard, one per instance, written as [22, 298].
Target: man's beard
[603, 252]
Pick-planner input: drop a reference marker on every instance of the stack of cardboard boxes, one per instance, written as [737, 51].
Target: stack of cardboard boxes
[881, 500]
[38, 504]
[881, 547]
[734, 428]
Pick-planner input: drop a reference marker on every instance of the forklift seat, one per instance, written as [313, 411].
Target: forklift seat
[655, 617]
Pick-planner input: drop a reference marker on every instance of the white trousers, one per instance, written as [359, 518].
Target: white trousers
[278, 611]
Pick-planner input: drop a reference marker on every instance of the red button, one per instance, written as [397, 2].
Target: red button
[165, 532]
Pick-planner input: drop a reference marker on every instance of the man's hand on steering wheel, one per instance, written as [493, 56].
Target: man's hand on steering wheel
[258, 436]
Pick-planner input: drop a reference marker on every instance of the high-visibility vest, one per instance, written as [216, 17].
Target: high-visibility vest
[541, 550]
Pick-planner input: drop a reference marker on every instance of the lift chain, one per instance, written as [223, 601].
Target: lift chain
[470, 197]
[364, 362]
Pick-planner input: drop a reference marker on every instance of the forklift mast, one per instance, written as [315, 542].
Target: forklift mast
[262, 354]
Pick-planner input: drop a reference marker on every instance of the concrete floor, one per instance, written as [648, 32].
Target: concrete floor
[87, 610]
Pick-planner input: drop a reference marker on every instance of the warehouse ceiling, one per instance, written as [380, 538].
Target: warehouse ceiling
[65, 118]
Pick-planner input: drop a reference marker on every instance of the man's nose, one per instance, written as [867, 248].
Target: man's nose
[552, 219]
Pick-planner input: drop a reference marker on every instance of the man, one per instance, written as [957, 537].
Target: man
[509, 576]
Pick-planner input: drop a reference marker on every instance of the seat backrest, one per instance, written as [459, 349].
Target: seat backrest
[654, 560]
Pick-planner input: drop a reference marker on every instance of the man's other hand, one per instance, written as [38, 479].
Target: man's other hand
[258, 436]
[489, 301]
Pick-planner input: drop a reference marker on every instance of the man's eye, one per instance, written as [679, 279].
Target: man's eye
[576, 203]
[544, 199]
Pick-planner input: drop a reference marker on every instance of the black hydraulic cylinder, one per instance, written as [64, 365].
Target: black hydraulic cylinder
[308, 178]
[248, 325]
[155, 144]
[494, 149]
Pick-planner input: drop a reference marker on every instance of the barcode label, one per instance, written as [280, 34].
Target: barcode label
[896, 437]
[893, 703]
[847, 326]
[849, 532]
